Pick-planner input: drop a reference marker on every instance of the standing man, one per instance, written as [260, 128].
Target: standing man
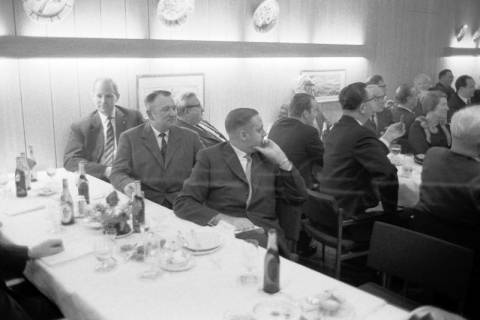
[157, 153]
[240, 181]
[465, 86]
[94, 138]
[190, 116]
[444, 84]
[382, 117]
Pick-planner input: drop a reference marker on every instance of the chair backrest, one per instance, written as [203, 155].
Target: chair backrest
[422, 259]
[321, 209]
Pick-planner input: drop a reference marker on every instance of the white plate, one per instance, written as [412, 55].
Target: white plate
[45, 192]
[177, 268]
[276, 309]
[93, 225]
[203, 252]
[202, 241]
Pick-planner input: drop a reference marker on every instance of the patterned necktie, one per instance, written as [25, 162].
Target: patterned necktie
[248, 174]
[163, 150]
[109, 144]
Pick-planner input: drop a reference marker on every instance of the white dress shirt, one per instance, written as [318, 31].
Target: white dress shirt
[241, 157]
[159, 139]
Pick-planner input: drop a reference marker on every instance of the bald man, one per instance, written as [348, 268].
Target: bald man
[94, 138]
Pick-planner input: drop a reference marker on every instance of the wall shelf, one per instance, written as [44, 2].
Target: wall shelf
[44, 47]
[449, 52]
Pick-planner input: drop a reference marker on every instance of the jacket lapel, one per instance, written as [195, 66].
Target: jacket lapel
[120, 122]
[233, 162]
[96, 134]
[150, 142]
[173, 144]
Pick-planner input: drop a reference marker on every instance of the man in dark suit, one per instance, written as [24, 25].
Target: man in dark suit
[297, 137]
[407, 98]
[94, 138]
[356, 170]
[382, 117]
[28, 303]
[239, 181]
[444, 84]
[157, 153]
[190, 113]
[465, 86]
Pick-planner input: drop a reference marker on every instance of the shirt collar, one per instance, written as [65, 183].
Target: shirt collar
[463, 99]
[404, 108]
[157, 133]
[240, 154]
[104, 118]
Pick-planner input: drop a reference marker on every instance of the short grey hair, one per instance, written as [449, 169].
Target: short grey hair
[182, 102]
[153, 95]
[465, 125]
[107, 80]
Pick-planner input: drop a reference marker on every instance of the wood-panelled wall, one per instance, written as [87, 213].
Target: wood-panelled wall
[40, 98]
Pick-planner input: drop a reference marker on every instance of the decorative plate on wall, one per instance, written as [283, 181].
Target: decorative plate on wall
[266, 15]
[47, 11]
[174, 12]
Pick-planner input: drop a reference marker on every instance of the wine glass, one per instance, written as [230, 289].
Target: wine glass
[250, 254]
[103, 250]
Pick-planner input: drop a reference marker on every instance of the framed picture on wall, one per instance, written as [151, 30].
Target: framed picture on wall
[177, 84]
[326, 84]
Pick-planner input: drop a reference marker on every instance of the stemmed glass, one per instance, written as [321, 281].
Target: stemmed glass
[103, 250]
[250, 254]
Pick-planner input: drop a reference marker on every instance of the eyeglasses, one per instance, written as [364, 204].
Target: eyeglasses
[378, 99]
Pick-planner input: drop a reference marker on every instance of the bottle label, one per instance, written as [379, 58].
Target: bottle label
[272, 274]
[67, 213]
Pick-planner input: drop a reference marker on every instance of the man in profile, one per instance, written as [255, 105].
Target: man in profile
[407, 98]
[465, 86]
[444, 84]
[356, 170]
[190, 116]
[382, 117]
[94, 139]
[240, 180]
[158, 153]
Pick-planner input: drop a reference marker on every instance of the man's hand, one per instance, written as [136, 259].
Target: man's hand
[129, 189]
[240, 224]
[394, 131]
[274, 154]
[46, 248]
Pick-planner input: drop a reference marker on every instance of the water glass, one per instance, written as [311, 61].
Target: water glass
[250, 260]
[152, 247]
[103, 250]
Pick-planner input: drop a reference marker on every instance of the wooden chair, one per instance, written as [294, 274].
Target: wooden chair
[323, 207]
[432, 263]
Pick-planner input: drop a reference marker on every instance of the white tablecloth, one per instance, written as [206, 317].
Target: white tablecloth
[206, 291]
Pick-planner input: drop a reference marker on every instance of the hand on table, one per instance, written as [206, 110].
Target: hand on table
[129, 189]
[274, 154]
[46, 248]
[240, 224]
[429, 312]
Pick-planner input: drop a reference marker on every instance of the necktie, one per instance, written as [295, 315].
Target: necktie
[109, 144]
[163, 150]
[248, 174]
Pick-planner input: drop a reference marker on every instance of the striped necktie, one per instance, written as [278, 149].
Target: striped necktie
[108, 153]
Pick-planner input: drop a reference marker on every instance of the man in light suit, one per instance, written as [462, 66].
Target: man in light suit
[382, 117]
[190, 116]
[94, 138]
[157, 153]
[239, 181]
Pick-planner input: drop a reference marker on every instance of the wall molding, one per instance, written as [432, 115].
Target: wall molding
[449, 52]
[44, 47]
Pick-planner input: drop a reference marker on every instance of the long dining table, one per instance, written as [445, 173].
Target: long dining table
[209, 290]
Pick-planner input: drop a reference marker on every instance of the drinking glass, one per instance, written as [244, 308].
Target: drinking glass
[54, 216]
[395, 157]
[250, 254]
[152, 247]
[3, 184]
[103, 250]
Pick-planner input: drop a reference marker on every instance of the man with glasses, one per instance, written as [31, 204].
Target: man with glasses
[381, 117]
[158, 153]
[190, 116]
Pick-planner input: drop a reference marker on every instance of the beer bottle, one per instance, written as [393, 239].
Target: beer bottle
[32, 163]
[82, 183]
[66, 204]
[20, 182]
[271, 275]
[26, 169]
[138, 208]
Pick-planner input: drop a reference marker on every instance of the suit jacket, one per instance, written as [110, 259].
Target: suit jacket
[440, 87]
[139, 158]
[86, 140]
[455, 103]
[408, 118]
[301, 144]
[218, 185]
[206, 137]
[384, 119]
[449, 205]
[356, 170]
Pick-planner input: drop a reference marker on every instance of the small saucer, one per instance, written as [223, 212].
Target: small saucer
[177, 268]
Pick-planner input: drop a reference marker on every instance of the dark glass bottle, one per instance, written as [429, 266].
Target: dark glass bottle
[20, 179]
[26, 169]
[271, 275]
[138, 208]
[66, 205]
[82, 183]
